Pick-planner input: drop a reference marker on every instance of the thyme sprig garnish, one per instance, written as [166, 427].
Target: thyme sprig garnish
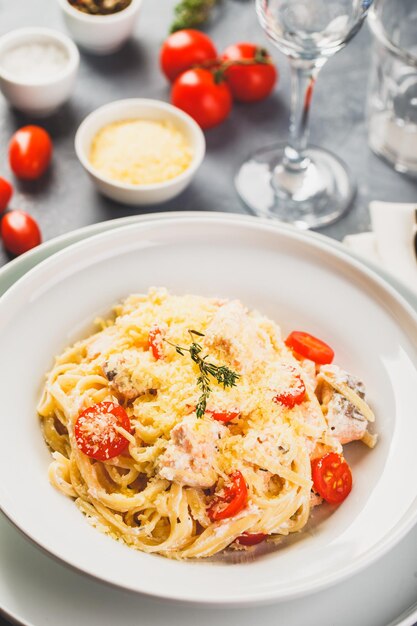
[221, 373]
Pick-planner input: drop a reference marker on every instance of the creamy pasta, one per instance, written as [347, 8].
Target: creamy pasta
[155, 459]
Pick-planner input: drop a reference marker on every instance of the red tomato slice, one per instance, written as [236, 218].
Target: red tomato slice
[251, 539]
[95, 431]
[332, 477]
[223, 416]
[310, 347]
[294, 394]
[155, 342]
[6, 192]
[19, 232]
[230, 500]
[30, 152]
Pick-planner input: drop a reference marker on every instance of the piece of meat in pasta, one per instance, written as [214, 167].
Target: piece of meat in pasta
[121, 370]
[238, 337]
[344, 418]
[189, 458]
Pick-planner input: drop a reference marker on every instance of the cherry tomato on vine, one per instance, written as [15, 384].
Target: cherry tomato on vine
[197, 93]
[30, 151]
[19, 232]
[251, 539]
[95, 432]
[310, 347]
[6, 192]
[249, 82]
[332, 478]
[230, 500]
[184, 49]
[223, 416]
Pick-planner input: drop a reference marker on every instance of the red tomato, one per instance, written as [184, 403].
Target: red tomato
[332, 477]
[6, 192]
[19, 232]
[230, 500]
[95, 431]
[251, 539]
[249, 82]
[197, 93]
[294, 394]
[155, 342]
[30, 152]
[223, 416]
[184, 49]
[310, 347]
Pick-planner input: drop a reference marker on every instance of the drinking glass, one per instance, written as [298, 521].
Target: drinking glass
[392, 98]
[306, 186]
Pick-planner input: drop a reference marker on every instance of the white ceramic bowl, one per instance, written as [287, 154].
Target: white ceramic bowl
[139, 108]
[100, 34]
[296, 280]
[36, 96]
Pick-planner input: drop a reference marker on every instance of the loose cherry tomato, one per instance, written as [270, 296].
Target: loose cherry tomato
[19, 232]
[223, 416]
[293, 394]
[95, 431]
[251, 539]
[30, 152]
[310, 347]
[184, 49]
[197, 93]
[6, 192]
[155, 342]
[230, 500]
[332, 478]
[249, 83]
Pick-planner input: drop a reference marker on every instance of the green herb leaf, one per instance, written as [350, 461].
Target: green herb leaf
[191, 13]
[221, 373]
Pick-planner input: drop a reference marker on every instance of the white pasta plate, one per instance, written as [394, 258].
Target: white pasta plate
[296, 280]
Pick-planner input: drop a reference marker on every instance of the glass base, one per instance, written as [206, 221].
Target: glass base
[309, 197]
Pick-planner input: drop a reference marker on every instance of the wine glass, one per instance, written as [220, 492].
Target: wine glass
[306, 186]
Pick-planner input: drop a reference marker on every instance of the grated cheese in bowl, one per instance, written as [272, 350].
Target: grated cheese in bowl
[140, 152]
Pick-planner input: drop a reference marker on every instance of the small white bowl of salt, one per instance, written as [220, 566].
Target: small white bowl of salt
[38, 67]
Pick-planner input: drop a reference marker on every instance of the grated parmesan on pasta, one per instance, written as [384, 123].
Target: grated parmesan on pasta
[156, 495]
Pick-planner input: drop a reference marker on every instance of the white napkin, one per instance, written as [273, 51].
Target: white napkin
[390, 244]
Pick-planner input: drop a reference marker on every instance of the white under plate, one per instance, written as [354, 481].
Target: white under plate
[264, 259]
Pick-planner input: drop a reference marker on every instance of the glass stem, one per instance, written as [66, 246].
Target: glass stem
[303, 79]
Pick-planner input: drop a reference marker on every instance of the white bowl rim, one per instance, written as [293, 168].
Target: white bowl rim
[119, 16]
[318, 241]
[31, 33]
[198, 155]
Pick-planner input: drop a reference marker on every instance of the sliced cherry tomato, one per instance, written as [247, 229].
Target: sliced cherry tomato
[294, 394]
[6, 192]
[183, 50]
[223, 416]
[332, 478]
[310, 347]
[155, 342]
[19, 232]
[251, 539]
[230, 500]
[249, 83]
[197, 93]
[30, 152]
[95, 431]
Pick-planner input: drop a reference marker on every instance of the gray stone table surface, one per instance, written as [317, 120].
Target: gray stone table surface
[65, 199]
